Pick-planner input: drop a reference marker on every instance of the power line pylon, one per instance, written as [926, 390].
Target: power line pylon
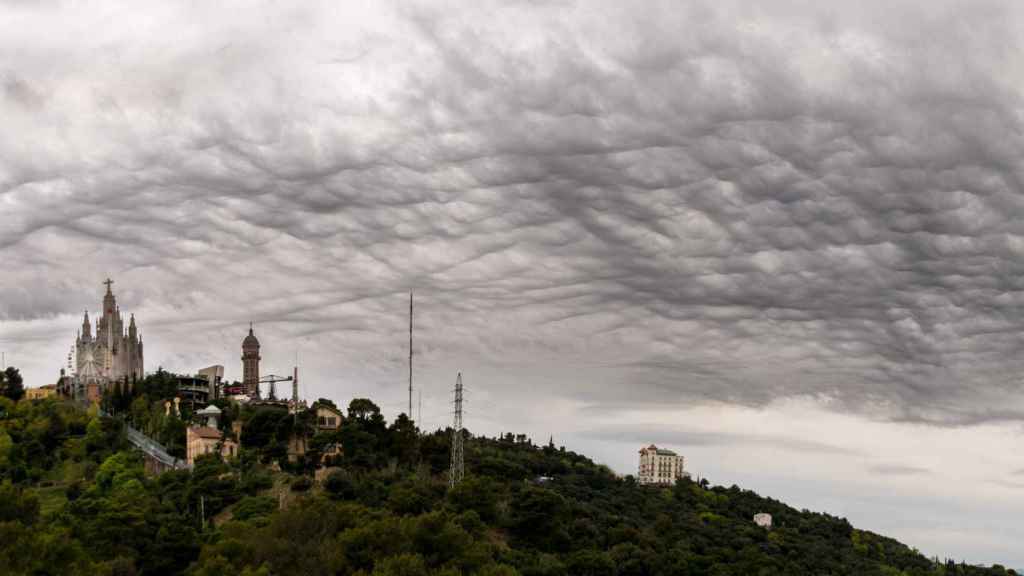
[458, 469]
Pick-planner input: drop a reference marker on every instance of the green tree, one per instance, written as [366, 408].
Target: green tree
[480, 494]
[326, 402]
[362, 409]
[402, 565]
[590, 563]
[6, 447]
[411, 497]
[11, 384]
[538, 518]
[254, 507]
[261, 430]
[17, 506]
[339, 484]
[403, 440]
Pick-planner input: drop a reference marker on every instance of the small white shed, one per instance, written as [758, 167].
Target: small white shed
[763, 520]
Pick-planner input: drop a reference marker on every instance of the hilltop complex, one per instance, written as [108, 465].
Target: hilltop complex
[114, 354]
[107, 353]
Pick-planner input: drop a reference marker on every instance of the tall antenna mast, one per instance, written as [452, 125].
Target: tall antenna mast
[458, 469]
[410, 354]
[295, 390]
[295, 382]
[419, 412]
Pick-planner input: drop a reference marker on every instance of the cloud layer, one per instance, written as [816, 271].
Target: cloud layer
[600, 206]
[713, 202]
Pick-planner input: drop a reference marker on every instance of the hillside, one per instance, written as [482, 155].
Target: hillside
[74, 500]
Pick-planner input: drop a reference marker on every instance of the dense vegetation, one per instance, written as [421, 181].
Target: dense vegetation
[10, 383]
[74, 500]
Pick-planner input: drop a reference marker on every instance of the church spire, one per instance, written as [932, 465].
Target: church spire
[109, 310]
[86, 327]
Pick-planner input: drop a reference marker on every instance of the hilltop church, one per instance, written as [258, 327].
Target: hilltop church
[113, 354]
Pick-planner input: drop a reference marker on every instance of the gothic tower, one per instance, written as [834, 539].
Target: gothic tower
[251, 364]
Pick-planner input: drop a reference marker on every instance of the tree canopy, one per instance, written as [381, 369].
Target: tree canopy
[11, 385]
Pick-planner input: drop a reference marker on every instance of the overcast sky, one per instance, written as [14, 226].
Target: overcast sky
[783, 238]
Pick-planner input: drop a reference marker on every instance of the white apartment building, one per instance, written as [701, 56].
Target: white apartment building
[660, 466]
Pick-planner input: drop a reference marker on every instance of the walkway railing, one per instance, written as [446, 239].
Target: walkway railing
[152, 448]
[149, 446]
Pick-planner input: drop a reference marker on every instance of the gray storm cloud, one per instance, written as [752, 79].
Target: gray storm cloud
[690, 202]
[898, 470]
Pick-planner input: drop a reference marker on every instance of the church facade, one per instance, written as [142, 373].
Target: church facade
[105, 353]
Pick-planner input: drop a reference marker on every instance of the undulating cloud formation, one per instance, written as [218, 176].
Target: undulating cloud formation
[626, 223]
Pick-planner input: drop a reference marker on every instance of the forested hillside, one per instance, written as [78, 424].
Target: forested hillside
[74, 500]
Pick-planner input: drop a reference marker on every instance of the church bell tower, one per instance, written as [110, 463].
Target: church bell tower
[251, 364]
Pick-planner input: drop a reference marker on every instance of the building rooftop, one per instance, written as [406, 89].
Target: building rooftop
[659, 451]
[250, 341]
[206, 432]
[319, 406]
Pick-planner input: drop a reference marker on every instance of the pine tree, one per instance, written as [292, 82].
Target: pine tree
[11, 383]
[126, 396]
[117, 398]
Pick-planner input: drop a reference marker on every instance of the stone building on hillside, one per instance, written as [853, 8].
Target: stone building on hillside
[763, 519]
[105, 354]
[660, 466]
[41, 392]
[207, 438]
[327, 417]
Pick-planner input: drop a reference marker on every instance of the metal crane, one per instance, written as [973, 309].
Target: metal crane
[273, 379]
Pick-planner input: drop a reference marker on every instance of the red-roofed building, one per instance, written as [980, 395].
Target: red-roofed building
[202, 440]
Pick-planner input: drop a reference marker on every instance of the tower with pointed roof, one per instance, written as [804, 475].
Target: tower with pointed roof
[251, 364]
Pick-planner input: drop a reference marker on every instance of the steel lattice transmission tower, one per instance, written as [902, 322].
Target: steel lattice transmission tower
[458, 469]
